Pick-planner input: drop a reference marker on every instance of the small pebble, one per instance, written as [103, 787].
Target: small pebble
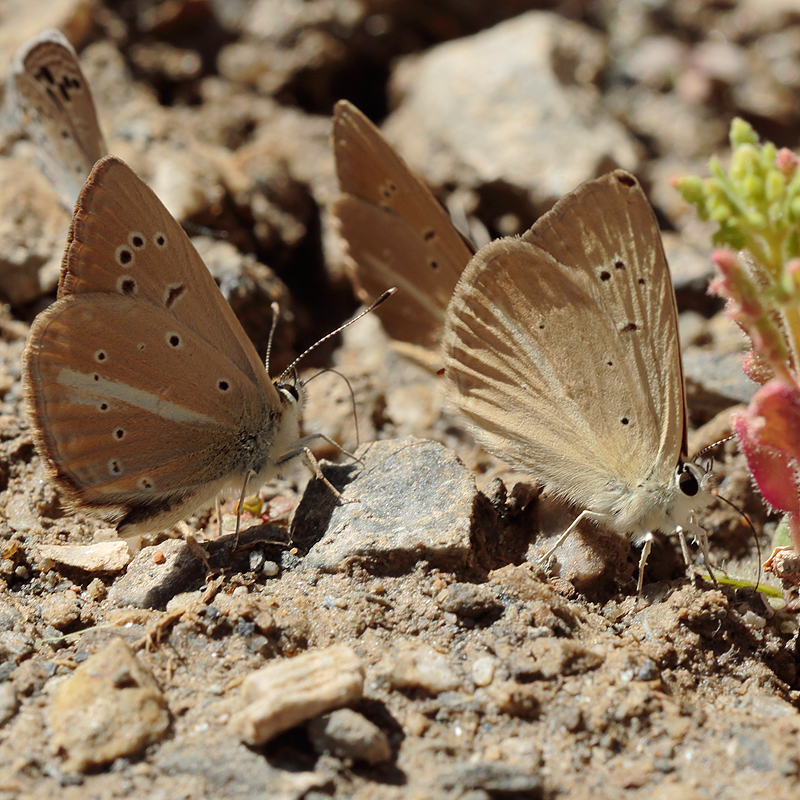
[753, 620]
[270, 569]
[415, 665]
[101, 557]
[468, 600]
[9, 702]
[256, 560]
[483, 670]
[60, 610]
[347, 734]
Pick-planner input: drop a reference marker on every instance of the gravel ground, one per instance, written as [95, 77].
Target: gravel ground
[415, 647]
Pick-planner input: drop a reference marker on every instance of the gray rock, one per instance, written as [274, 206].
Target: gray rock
[250, 287]
[715, 381]
[473, 106]
[110, 707]
[9, 702]
[32, 231]
[408, 500]
[347, 734]
[226, 768]
[150, 581]
[468, 600]
[689, 267]
[495, 778]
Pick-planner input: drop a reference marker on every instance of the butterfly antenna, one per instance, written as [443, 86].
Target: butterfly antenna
[193, 229]
[752, 528]
[275, 314]
[385, 296]
[352, 397]
[712, 446]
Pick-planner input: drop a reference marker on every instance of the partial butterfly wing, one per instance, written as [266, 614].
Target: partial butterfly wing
[397, 233]
[54, 99]
[561, 347]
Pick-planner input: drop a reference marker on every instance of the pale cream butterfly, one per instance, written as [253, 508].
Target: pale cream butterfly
[55, 103]
[561, 348]
[396, 232]
[146, 396]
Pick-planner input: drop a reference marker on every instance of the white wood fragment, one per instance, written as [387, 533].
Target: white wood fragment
[295, 690]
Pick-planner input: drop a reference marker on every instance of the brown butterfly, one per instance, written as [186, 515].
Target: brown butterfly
[396, 231]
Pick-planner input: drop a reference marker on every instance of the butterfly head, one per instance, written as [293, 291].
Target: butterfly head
[692, 487]
[291, 391]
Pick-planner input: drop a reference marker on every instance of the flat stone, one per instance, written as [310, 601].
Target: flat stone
[109, 707]
[413, 665]
[468, 600]
[532, 78]
[409, 500]
[155, 575]
[100, 557]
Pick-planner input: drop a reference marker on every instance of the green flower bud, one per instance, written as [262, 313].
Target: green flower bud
[774, 186]
[742, 133]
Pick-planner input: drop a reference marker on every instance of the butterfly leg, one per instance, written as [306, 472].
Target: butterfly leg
[681, 533]
[300, 444]
[250, 474]
[646, 548]
[561, 539]
[302, 450]
[701, 538]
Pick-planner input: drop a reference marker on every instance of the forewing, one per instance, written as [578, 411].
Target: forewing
[397, 233]
[607, 230]
[550, 379]
[57, 110]
[123, 241]
[143, 410]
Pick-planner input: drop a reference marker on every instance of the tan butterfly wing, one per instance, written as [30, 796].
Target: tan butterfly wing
[58, 112]
[123, 240]
[102, 392]
[562, 347]
[396, 232]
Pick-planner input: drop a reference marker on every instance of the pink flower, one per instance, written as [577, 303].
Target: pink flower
[786, 161]
[769, 436]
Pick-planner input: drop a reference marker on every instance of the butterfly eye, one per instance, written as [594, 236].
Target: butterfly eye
[687, 481]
